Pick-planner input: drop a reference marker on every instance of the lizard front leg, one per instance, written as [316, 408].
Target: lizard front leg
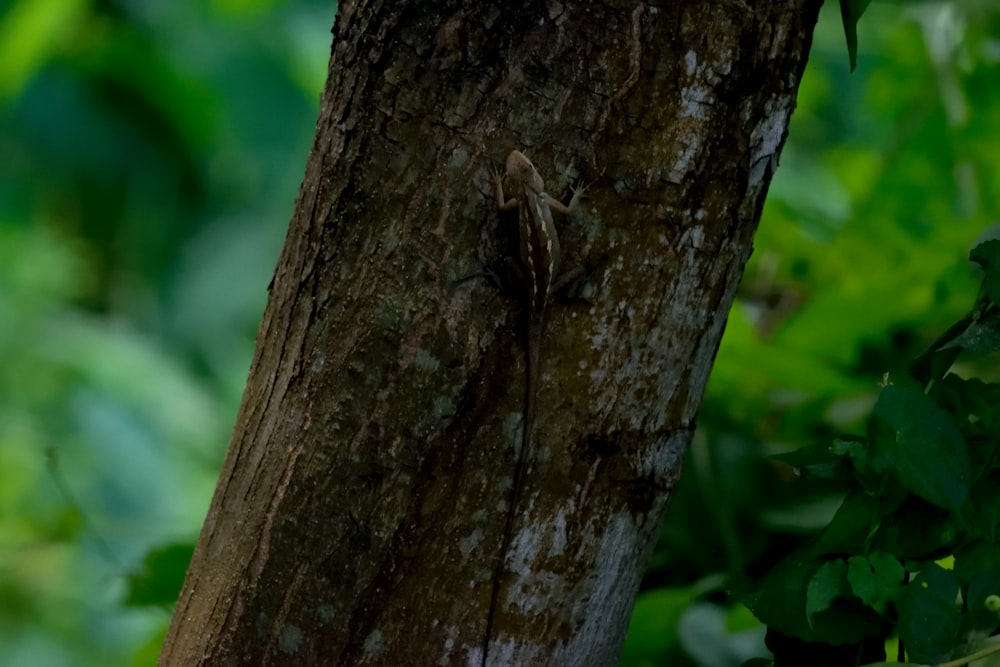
[556, 205]
[502, 205]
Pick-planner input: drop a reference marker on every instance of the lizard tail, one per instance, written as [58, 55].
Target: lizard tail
[532, 364]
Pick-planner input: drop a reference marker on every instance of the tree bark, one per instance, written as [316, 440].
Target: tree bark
[361, 508]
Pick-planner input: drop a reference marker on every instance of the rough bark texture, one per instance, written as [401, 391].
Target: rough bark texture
[359, 515]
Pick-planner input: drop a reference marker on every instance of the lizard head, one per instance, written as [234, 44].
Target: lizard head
[522, 173]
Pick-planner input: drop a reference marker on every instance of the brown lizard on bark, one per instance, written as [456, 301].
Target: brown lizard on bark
[539, 255]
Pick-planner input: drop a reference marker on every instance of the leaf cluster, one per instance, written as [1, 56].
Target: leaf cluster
[913, 549]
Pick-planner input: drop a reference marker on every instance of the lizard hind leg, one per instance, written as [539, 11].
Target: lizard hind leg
[569, 282]
[505, 275]
[576, 285]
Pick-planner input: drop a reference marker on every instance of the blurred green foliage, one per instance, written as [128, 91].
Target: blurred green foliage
[151, 156]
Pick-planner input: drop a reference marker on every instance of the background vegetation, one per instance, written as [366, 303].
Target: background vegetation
[150, 154]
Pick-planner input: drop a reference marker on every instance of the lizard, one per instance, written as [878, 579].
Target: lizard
[538, 242]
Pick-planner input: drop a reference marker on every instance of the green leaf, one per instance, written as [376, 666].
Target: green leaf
[977, 568]
[929, 619]
[829, 583]
[854, 448]
[939, 357]
[978, 331]
[779, 601]
[981, 336]
[980, 617]
[980, 516]
[918, 442]
[827, 461]
[918, 529]
[851, 527]
[976, 408]
[976, 559]
[850, 13]
[987, 256]
[877, 580]
[160, 581]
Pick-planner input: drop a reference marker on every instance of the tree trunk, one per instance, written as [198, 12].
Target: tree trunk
[360, 514]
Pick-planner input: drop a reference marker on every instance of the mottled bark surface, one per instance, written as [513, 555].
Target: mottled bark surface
[359, 515]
